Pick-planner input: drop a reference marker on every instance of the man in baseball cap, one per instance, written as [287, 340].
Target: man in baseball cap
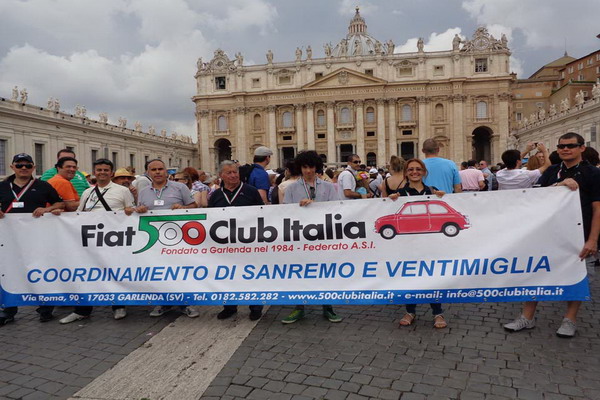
[259, 177]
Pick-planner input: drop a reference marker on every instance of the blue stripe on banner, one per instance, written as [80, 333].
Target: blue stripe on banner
[579, 291]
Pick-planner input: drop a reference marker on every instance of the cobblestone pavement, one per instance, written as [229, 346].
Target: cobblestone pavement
[53, 361]
[367, 356]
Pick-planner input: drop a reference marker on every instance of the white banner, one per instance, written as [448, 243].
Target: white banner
[490, 246]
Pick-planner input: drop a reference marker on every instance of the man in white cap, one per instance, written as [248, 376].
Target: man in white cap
[375, 180]
[259, 177]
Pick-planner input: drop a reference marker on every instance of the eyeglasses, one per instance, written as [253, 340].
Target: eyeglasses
[21, 166]
[356, 162]
[414, 169]
[568, 146]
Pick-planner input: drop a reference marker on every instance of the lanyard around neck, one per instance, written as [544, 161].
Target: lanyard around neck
[235, 195]
[307, 189]
[23, 191]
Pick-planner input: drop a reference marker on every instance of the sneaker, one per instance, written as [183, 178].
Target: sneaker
[6, 320]
[226, 313]
[72, 318]
[331, 316]
[191, 312]
[567, 329]
[293, 317]
[255, 315]
[519, 324]
[120, 313]
[45, 317]
[160, 310]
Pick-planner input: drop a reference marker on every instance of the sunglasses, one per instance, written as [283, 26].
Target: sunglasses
[414, 169]
[21, 166]
[568, 146]
[356, 162]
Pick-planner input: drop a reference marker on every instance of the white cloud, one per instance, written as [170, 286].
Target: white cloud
[435, 42]
[543, 23]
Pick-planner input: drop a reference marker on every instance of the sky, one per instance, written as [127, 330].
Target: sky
[137, 58]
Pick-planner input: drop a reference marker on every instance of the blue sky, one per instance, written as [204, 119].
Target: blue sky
[136, 58]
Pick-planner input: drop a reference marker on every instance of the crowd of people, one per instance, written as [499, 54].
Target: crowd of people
[303, 181]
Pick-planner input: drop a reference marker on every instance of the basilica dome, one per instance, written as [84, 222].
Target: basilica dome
[358, 42]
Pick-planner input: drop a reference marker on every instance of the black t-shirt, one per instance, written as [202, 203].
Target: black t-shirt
[587, 177]
[408, 191]
[248, 196]
[39, 194]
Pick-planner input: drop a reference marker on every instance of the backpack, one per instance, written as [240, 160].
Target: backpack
[245, 171]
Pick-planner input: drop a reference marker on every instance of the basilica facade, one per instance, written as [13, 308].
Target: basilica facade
[362, 97]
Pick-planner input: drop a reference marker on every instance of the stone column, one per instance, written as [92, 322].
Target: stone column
[360, 130]
[299, 126]
[241, 142]
[457, 124]
[502, 116]
[272, 135]
[331, 154]
[381, 153]
[422, 123]
[310, 126]
[203, 132]
[392, 139]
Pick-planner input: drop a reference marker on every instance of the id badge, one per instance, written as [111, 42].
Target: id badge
[159, 202]
[18, 204]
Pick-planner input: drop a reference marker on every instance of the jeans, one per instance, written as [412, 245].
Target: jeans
[436, 308]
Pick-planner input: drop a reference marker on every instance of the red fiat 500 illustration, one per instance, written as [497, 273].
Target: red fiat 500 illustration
[426, 216]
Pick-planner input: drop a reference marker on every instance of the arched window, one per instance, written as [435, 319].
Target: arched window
[406, 112]
[345, 116]
[439, 111]
[320, 118]
[222, 123]
[482, 112]
[257, 122]
[370, 115]
[287, 119]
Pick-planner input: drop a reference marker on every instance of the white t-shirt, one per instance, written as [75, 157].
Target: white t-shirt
[116, 196]
[517, 178]
[346, 180]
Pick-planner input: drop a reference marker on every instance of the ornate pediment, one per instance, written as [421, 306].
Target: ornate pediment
[482, 41]
[344, 77]
[219, 64]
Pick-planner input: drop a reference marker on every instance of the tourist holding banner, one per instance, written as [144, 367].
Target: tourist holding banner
[414, 171]
[22, 193]
[310, 188]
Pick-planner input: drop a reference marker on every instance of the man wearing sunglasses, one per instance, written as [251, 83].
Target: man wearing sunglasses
[347, 180]
[22, 193]
[574, 173]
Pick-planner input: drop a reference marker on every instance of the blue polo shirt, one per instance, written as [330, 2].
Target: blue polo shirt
[441, 173]
[259, 178]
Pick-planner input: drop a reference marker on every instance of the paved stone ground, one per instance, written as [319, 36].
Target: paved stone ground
[367, 356]
[53, 361]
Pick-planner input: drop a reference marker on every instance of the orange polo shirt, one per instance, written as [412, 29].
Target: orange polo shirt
[64, 188]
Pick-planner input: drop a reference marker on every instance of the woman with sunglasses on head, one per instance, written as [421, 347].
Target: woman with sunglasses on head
[199, 197]
[414, 172]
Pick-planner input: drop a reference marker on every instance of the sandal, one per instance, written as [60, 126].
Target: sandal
[407, 319]
[439, 322]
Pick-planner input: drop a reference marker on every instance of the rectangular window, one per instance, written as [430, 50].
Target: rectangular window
[590, 61]
[220, 83]
[518, 116]
[598, 70]
[369, 72]
[518, 96]
[370, 134]
[39, 158]
[287, 138]
[2, 157]
[538, 94]
[580, 66]
[94, 156]
[145, 160]
[115, 155]
[70, 148]
[593, 134]
[285, 80]
[598, 57]
[519, 105]
[321, 136]
[405, 71]
[255, 82]
[438, 70]
[580, 77]
[407, 132]
[571, 69]
[318, 75]
[562, 75]
[481, 65]
[132, 160]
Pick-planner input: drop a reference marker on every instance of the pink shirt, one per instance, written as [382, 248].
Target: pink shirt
[470, 178]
